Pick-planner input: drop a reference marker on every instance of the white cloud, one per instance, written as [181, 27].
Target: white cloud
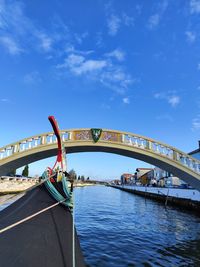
[45, 41]
[70, 49]
[10, 45]
[104, 71]
[154, 20]
[11, 16]
[79, 65]
[22, 30]
[169, 96]
[117, 53]
[113, 23]
[74, 60]
[191, 37]
[80, 37]
[159, 95]
[196, 123]
[174, 100]
[90, 66]
[115, 78]
[126, 100]
[195, 6]
[2, 10]
[127, 20]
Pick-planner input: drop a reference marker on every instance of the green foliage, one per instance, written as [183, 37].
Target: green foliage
[25, 171]
[73, 174]
[82, 178]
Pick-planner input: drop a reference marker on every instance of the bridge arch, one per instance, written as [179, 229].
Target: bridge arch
[42, 146]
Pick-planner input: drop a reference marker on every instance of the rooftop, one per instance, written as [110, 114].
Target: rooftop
[196, 150]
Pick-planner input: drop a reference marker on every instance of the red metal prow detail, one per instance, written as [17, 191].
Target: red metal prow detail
[54, 125]
[60, 164]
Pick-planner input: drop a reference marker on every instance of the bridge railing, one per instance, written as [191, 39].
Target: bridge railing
[127, 139]
[163, 150]
[30, 143]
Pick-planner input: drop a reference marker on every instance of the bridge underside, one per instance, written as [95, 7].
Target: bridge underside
[27, 158]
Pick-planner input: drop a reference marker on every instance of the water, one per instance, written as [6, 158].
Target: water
[120, 229]
[8, 199]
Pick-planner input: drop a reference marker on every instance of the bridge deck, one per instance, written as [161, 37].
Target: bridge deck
[45, 240]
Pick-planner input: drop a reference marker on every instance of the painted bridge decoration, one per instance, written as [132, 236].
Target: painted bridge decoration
[131, 145]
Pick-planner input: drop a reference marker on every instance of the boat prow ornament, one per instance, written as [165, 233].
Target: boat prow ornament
[58, 181]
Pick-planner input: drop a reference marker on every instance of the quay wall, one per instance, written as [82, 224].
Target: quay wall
[15, 185]
[186, 198]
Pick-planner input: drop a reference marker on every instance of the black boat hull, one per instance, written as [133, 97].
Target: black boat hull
[45, 240]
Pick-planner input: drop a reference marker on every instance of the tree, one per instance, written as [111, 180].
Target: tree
[79, 177]
[88, 178]
[72, 174]
[25, 171]
[82, 178]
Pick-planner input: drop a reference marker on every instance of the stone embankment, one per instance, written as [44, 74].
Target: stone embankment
[186, 198]
[12, 185]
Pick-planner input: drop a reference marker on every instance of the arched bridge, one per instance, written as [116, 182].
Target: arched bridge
[82, 140]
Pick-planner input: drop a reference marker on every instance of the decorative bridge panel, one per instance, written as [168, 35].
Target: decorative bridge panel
[105, 136]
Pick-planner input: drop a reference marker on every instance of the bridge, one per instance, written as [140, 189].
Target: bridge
[42, 146]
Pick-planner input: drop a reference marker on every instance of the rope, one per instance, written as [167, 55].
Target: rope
[29, 217]
[73, 235]
[54, 192]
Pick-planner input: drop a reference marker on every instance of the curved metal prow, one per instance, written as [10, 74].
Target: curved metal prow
[60, 164]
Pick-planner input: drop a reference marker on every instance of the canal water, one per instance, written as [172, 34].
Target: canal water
[120, 229]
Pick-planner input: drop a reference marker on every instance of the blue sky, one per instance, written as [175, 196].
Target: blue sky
[126, 65]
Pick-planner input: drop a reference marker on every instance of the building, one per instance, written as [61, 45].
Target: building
[126, 178]
[195, 153]
[143, 176]
[167, 179]
[160, 174]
